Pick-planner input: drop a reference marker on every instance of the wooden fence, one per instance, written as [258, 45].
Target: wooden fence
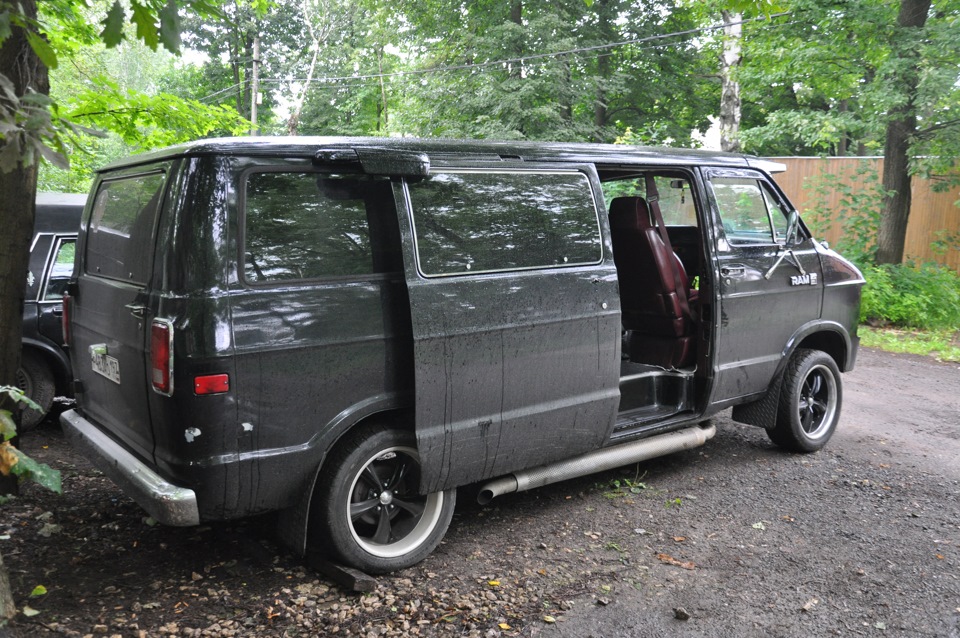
[933, 216]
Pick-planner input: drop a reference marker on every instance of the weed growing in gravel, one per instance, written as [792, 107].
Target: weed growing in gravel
[621, 487]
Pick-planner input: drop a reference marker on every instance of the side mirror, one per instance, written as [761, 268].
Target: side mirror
[793, 229]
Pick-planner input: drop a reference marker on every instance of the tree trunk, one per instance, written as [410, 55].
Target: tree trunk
[18, 190]
[8, 608]
[600, 107]
[900, 130]
[730, 87]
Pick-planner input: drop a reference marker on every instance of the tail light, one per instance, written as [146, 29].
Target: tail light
[65, 319]
[161, 356]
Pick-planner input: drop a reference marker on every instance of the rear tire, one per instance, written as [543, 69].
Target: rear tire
[810, 398]
[368, 513]
[36, 381]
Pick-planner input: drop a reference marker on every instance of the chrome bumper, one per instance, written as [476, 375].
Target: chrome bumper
[164, 501]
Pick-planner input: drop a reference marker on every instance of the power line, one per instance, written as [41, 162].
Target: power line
[516, 60]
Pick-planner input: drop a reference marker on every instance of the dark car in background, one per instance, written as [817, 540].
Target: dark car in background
[44, 368]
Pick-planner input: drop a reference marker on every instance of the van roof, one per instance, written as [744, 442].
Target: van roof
[438, 148]
[58, 212]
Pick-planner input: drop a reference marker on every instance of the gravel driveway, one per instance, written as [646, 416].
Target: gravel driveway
[733, 539]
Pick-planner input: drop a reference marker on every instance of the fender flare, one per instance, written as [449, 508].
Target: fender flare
[292, 523]
[763, 411]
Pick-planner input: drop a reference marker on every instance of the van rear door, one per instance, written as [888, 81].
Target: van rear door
[515, 315]
[108, 326]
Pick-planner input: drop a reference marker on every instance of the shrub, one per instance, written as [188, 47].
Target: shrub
[925, 297]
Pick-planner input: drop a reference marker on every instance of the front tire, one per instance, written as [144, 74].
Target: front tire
[36, 381]
[810, 398]
[368, 513]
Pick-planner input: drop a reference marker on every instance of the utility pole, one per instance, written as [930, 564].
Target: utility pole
[255, 87]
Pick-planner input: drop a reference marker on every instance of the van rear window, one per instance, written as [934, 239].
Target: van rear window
[310, 225]
[483, 221]
[120, 232]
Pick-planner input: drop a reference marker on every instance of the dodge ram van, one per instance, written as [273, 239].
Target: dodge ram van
[346, 330]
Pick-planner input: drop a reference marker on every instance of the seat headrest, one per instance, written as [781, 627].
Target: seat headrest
[630, 212]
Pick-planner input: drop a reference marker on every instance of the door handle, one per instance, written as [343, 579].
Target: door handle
[733, 271]
[136, 309]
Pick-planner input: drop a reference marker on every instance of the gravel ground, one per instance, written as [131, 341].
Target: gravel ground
[733, 539]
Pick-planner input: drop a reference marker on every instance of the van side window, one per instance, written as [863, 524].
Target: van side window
[310, 225]
[120, 237]
[60, 270]
[483, 221]
[749, 211]
[674, 194]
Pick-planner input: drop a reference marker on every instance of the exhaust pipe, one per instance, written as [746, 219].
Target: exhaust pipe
[597, 461]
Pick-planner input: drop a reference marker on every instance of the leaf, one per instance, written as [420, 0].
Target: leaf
[8, 458]
[43, 50]
[504, 625]
[549, 620]
[57, 159]
[112, 33]
[670, 560]
[146, 25]
[170, 27]
[40, 473]
[493, 583]
[39, 590]
[5, 31]
[8, 429]
[29, 612]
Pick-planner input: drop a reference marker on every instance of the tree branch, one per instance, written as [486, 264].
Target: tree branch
[937, 127]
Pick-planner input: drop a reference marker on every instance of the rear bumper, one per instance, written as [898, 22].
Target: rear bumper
[164, 501]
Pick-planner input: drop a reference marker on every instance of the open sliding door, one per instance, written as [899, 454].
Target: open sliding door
[516, 319]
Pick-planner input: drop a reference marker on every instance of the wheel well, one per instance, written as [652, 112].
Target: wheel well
[401, 418]
[293, 521]
[830, 342]
[61, 377]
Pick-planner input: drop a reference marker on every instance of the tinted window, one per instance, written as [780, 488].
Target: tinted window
[484, 221]
[120, 239]
[749, 211]
[311, 225]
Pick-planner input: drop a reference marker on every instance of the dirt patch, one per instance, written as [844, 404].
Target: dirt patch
[736, 538]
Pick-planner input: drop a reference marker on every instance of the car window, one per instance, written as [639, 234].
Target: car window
[122, 222]
[487, 221]
[675, 197]
[61, 268]
[310, 225]
[749, 211]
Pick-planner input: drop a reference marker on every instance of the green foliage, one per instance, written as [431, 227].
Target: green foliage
[860, 204]
[149, 121]
[942, 344]
[12, 460]
[825, 80]
[925, 297]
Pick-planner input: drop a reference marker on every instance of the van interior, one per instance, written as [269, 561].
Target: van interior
[657, 248]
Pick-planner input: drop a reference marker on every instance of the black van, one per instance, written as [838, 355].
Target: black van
[44, 368]
[346, 330]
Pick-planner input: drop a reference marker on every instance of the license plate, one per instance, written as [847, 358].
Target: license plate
[105, 365]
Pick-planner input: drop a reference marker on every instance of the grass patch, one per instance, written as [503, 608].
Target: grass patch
[943, 345]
